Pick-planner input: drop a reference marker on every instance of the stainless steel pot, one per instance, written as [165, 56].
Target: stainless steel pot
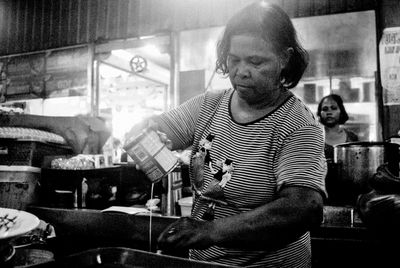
[356, 163]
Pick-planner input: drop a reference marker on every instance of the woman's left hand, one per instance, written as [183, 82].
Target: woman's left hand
[186, 233]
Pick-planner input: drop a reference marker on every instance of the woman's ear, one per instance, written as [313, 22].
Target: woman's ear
[287, 54]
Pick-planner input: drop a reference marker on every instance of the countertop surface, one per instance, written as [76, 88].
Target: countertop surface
[339, 222]
[340, 241]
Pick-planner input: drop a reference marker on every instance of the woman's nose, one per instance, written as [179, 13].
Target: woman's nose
[242, 70]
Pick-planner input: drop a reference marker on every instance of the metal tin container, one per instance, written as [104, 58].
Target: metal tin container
[152, 155]
[19, 186]
[357, 163]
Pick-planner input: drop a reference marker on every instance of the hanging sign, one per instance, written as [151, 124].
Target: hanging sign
[66, 72]
[389, 53]
[24, 75]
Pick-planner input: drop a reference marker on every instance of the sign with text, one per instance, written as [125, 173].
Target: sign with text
[25, 74]
[389, 53]
[67, 73]
[49, 74]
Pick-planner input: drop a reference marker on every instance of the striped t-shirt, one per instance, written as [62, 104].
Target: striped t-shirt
[283, 148]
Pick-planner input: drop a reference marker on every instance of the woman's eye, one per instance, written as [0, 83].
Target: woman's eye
[255, 61]
[232, 60]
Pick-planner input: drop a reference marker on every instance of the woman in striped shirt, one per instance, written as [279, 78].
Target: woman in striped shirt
[266, 143]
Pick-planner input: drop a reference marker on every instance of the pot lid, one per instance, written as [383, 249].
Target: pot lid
[366, 144]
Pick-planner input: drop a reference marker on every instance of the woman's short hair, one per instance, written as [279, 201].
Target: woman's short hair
[343, 114]
[273, 25]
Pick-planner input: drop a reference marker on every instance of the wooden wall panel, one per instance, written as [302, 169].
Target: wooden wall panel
[35, 24]
[64, 22]
[56, 22]
[19, 24]
[73, 17]
[38, 22]
[47, 24]
[133, 18]
[13, 27]
[27, 6]
[291, 7]
[305, 7]
[123, 18]
[3, 23]
[112, 19]
[83, 7]
[31, 25]
[101, 18]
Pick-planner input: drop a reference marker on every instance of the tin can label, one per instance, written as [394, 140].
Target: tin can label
[153, 157]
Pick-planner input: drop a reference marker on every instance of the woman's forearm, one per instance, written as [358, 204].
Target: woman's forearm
[268, 227]
[277, 223]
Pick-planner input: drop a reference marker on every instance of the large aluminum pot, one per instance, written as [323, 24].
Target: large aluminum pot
[356, 163]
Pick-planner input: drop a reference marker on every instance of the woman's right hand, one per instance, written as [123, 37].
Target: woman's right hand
[138, 128]
[186, 233]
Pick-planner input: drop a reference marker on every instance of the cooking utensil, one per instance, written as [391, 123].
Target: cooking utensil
[357, 162]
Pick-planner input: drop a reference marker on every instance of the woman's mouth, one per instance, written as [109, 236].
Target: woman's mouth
[243, 87]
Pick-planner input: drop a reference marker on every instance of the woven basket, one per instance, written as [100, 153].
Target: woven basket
[28, 153]
[28, 146]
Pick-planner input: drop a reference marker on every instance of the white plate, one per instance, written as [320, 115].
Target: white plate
[24, 223]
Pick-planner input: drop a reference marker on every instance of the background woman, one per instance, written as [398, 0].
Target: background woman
[333, 115]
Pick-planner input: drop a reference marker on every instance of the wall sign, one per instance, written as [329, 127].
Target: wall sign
[67, 73]
[389, 53]
[53, 74]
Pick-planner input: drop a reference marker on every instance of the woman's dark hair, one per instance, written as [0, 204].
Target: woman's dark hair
[273, 25]
[343, 114]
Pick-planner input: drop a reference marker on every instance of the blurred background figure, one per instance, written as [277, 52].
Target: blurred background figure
[333, 116]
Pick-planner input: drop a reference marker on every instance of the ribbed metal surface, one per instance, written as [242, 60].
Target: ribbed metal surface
[30, 25]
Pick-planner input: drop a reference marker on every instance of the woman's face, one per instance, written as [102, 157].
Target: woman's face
[330, 113]
[254, 69]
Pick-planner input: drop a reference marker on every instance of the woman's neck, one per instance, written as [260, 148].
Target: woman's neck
[244, 112]
[335, 135]
[333, 130]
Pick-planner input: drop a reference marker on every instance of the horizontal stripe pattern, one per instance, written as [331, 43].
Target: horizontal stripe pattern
[179, 123]
[284, 148]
